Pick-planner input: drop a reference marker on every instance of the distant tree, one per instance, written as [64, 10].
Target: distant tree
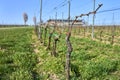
[25, 17]
[34, 20]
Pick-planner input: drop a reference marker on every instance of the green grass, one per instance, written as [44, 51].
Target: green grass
[17, 59]
[90, 60]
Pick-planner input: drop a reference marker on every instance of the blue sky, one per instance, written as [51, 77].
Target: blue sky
[11, 11]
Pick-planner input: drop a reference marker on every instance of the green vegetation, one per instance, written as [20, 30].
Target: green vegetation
[17, 59]
[90, 60]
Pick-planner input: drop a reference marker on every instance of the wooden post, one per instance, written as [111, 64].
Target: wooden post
[93, 20]
[113, 31]
[113, 35]
[40, 28]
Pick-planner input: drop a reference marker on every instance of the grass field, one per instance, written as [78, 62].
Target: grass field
[17, 58]
[23, 57]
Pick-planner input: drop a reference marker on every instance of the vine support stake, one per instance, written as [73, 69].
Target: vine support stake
[40, 30]
[93, 20]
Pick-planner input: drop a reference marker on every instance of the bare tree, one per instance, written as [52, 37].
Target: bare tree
[34, 20]
[25, 17]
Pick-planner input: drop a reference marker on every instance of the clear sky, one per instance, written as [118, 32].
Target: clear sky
[11, 11]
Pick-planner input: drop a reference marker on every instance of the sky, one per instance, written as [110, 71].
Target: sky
[11, 11]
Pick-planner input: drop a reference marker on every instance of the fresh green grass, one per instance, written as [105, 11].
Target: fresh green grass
[90, 60]
[17, 59]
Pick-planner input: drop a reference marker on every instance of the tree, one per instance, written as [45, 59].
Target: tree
[34, 20]
[25, 17]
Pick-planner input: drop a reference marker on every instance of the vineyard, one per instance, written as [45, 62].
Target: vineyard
[60, 40]
[24, 57]
[105, 34]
